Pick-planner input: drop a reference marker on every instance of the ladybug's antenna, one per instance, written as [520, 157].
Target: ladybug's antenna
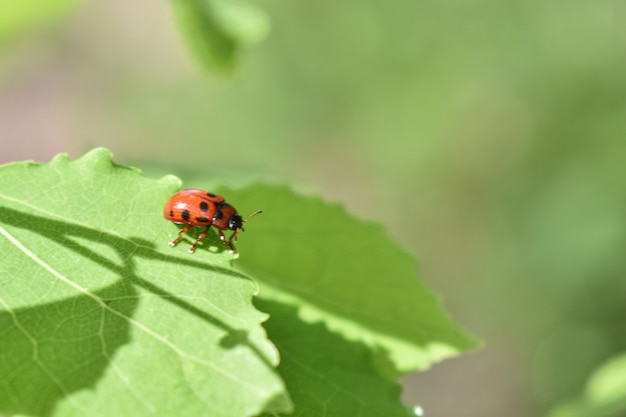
[253, 214]
[233, 237]
[248, 218]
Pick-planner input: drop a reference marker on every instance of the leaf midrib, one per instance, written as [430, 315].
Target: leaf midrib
[131, 321]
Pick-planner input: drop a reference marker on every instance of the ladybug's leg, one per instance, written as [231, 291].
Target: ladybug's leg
[182, 230]
[192, 249]
[229, 242]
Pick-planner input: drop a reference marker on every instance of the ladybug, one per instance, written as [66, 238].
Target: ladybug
[198, 208]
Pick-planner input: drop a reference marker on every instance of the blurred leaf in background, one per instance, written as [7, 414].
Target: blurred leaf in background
[19, 16]
[605, 393]
[217, 30]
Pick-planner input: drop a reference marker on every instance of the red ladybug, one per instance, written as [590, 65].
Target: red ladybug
[202, 209]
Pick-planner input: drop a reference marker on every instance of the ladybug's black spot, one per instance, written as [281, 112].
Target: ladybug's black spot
[218, 212]
[171, 213]
[211, 195]
[204, 206]
[185, 215]
[202, 219]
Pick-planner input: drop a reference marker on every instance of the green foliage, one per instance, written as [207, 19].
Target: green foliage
[327, 375]
[346, 273]
[17, 16]
[489, 132]
[605, 394]
[98, 313]
[216, 30]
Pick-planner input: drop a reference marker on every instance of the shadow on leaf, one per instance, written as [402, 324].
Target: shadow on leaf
[67, 345]
[327, 375]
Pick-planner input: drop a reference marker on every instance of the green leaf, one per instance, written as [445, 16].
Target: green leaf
[18, 16]
[327, 375]
[346, 273]
[216, 30]
[100, 317]
[605, 394]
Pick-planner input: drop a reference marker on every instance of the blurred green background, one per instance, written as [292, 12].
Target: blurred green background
[489, 136]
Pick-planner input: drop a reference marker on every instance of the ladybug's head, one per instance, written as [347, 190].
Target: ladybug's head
[235, 222]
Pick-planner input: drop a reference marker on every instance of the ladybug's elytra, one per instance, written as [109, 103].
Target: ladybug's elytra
[198, 208]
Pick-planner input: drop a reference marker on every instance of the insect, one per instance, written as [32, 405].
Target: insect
[197, 208]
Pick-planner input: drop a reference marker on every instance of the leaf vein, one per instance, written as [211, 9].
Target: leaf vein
[130, 320]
